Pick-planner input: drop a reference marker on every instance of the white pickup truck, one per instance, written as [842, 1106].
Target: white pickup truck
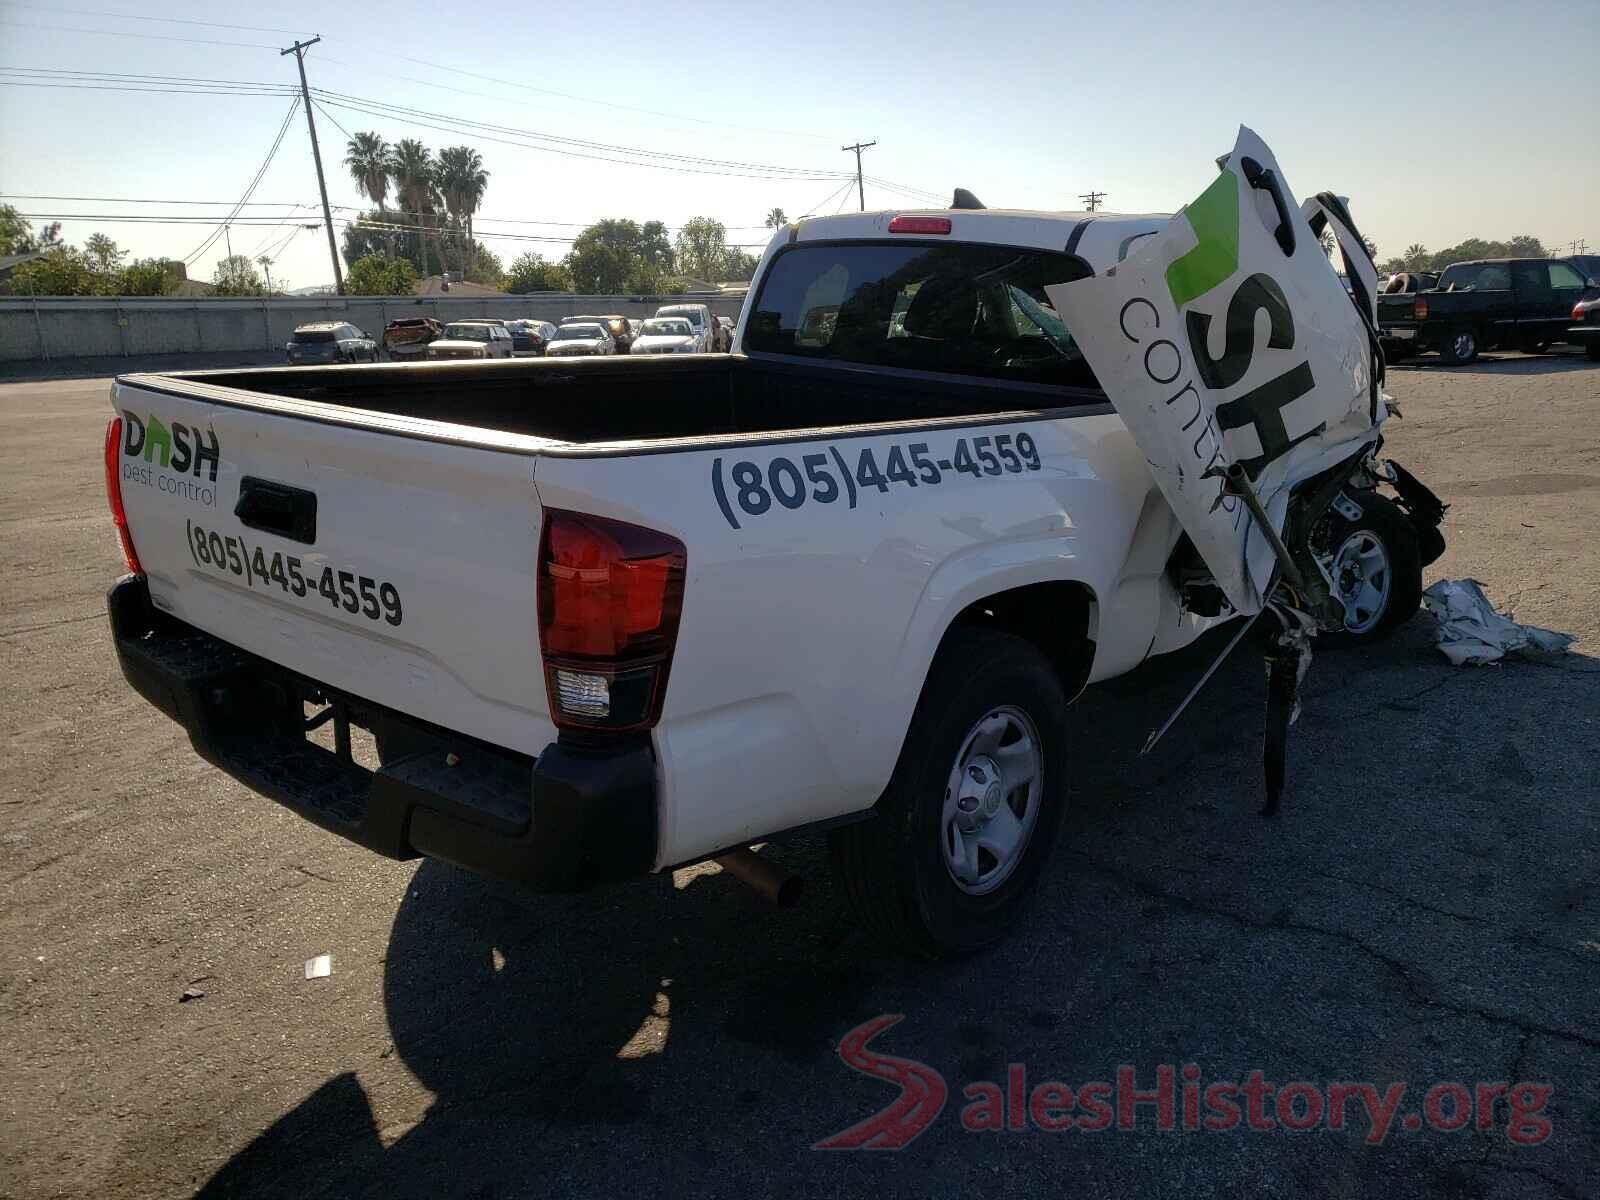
[610, 616]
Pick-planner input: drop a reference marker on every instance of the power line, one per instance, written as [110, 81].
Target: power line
[89, 12]
[149, 37]
[1091, 200]
[250, 190]
[602, 103]
[401, 112]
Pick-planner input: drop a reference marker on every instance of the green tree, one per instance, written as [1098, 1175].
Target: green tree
[702, 248]
[606, 257]
[462, 182]
[776, 219]
[64, 271]
[412, 168]
[379, 275]
[1416, 257]
[738, 266]
[532, 273]
[1525, 245]
[15, 233]
[236, 275]
[484, 266]
[367, 159]
[104, 254]
[144, 277]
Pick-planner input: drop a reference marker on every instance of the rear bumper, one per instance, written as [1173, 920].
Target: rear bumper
[1583, 335]
[570, 818]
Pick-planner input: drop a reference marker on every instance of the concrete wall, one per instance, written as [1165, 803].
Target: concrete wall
[54, 327]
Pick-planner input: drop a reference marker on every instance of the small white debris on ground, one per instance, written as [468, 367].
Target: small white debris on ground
[319, 967]
[1472, 632]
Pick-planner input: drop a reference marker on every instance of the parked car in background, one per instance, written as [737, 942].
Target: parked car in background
[1584, 331]
[581, 338]
[619, 327]
[323, 342]
[697, 315]
[406, 340]
[472, 339]
[1517, 303]
[724, 335]
[665, 335]
[529, 337]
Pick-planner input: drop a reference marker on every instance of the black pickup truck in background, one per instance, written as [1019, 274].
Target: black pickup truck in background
[1512, 303]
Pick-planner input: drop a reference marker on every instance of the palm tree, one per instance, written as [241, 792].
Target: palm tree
[412, 169]
[367, 157]
[266, 265]
[1416, 256]
[463, 182]
[777, 219]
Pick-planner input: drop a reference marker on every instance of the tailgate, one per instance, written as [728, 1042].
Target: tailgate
[1397, 309]
[397, 569]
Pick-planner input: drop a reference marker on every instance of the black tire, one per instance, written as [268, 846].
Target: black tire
[893, 865]
[1459, 346]
[1535, 347]
[1383, 521]
[1593, 350]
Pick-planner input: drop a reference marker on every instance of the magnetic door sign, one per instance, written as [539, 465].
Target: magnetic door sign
[1227, 338]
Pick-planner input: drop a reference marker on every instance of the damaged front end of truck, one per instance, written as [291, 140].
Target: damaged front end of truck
[1252, 379]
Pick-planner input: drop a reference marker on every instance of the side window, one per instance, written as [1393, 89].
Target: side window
[1530, 277]
[1562, 275]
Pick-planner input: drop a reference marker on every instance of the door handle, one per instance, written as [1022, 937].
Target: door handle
[1258, 176]
[289, 512]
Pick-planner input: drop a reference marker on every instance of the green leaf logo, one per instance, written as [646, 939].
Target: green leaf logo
[1214, 217]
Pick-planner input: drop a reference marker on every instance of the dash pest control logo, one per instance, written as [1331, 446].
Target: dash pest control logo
[177, 459]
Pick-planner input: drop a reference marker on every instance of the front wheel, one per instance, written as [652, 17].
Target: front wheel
[948, 860]
[1376, 568]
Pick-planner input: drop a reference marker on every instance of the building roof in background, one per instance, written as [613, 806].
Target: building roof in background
[16, 260]
[433, 285]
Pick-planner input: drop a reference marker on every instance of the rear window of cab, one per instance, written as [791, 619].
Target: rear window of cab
[963, 309]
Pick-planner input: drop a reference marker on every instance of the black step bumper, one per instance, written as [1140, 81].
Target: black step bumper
[575, 816]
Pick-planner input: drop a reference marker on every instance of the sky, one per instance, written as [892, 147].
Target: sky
[1440, 121]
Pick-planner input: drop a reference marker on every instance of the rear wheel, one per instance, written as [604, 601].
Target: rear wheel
[1593, 350]
[1376, 569]
[1459, 347]
[947, 862]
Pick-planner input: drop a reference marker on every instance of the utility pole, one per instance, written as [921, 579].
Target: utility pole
[227, 236]
[299, 51]
[1091, 200]
[861, 192]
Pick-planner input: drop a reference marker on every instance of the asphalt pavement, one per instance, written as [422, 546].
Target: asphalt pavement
[1423, 913]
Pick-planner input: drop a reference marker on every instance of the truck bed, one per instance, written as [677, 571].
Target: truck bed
[625, 400]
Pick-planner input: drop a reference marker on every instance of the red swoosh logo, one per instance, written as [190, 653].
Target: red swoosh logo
[921, 1099]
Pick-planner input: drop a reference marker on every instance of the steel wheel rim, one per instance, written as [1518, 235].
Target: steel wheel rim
[1463, 345]
[1364, 577]
[992, 799]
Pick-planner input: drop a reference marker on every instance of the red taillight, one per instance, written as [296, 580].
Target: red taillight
[119, 515]
[920, 225]
[610, 595]
[1577, 311]
[1419, 309]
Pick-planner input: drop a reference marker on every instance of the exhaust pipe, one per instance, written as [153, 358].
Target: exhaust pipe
[772, 882]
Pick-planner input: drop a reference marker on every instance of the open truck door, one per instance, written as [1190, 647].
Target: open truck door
[1252, 381]
[1227, 340]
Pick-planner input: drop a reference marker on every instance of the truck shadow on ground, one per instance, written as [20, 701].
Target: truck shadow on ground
[661, 1038]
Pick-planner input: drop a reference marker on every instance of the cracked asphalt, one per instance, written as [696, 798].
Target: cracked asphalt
[1423, 912]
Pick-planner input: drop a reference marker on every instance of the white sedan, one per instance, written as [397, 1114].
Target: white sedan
[666, 335]
[580, 338]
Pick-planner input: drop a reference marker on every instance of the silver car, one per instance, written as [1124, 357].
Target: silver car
[472, 339]
[580, 338]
